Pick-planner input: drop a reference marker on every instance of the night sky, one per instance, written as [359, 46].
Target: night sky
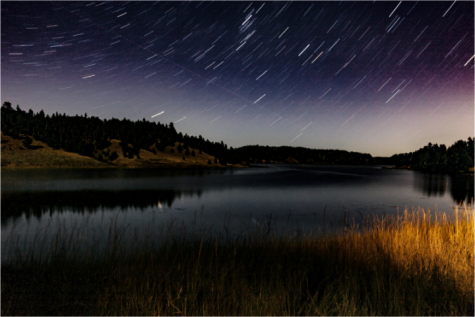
[373, 77]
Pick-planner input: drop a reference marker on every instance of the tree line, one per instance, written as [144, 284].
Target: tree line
[287, 154]
[87, 135]
[438, 158]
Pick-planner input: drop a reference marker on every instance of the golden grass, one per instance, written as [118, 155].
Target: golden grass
[419, 241]
[15, 155]
[415, 264]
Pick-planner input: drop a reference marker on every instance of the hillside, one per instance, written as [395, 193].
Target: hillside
[139, 143]
[14, 154]
[38, 154]
[38, 139]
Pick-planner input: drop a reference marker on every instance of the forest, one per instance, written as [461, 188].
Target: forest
[438, 158]
[87, 135]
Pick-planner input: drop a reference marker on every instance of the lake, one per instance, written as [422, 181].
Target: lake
[292, 198]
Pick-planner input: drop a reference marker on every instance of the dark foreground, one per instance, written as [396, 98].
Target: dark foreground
[414, 265]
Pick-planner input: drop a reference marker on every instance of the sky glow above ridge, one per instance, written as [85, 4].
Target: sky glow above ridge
[372, 77]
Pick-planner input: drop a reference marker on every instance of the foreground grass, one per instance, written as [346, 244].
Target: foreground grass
[416, 264]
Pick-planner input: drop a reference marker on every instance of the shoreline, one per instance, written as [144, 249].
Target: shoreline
[409, 265]
[469, 172]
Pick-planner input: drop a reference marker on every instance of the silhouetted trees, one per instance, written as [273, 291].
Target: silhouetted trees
[287, 154]
[438, 158]
[85, 135]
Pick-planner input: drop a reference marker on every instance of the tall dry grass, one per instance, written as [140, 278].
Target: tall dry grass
[414, 264]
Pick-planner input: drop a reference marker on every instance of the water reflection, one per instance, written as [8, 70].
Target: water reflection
[431, 184]
[36, 204]
[460, 187]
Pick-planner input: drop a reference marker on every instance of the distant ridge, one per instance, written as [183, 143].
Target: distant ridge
[125, 143]
[143, 143]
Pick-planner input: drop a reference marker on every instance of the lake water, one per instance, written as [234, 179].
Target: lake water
[291, 197]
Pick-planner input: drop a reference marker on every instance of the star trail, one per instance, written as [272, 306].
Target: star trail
[374, 77]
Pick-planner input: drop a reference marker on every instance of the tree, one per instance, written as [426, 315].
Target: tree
[7, 105]
[27, 141]
[209, 162]
[180, 148]
[193, 153]
[458, 157]
[215, 160]
[223, 161]
[172, 127]
[161, 146]
[113, 156]
[88, 135]
[187, 152]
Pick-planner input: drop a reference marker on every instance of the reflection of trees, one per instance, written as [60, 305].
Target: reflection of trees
[14, 205]
[431, 184]
[460, 186]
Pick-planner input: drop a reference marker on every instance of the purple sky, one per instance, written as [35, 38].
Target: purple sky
[373, 77]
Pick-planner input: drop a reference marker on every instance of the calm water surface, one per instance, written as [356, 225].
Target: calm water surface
[293, 198]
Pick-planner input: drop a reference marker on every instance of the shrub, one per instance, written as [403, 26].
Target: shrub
[27, 141]
[113, 156]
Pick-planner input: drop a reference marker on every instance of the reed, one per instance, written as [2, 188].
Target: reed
[417, 263]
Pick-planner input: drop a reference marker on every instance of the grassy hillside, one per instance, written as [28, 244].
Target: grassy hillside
[39, 154]
[15, 154]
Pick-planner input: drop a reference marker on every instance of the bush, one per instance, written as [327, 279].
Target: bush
[113, 156]
[161, 146]
[27, 141]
